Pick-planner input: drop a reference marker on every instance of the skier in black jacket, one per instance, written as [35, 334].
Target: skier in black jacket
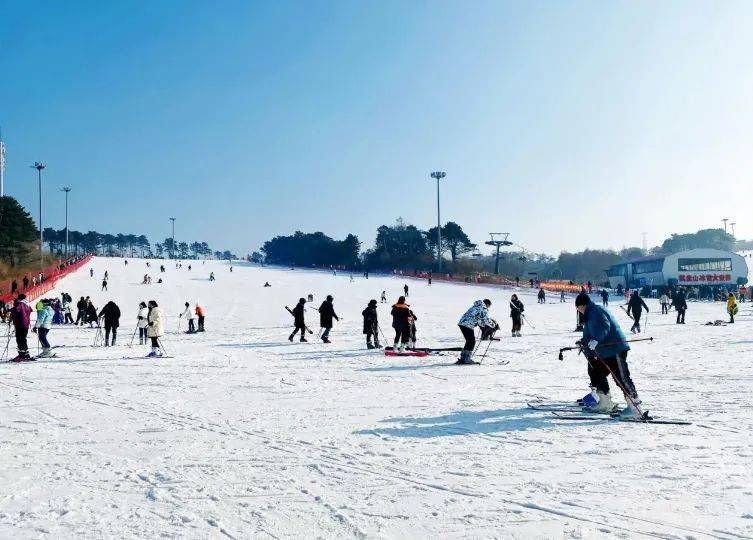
[300, 323]
[605, 298]
[681, 305]
[516, 312]
[81, 311]
[326, 314]
[371, 325]
[636, 305]
[111, 314]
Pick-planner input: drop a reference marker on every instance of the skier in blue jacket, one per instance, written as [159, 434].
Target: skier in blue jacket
[606, 349]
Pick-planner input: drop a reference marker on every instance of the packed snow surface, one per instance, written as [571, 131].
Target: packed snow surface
[242, 434]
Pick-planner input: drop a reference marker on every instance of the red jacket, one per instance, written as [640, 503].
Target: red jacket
[20, 315]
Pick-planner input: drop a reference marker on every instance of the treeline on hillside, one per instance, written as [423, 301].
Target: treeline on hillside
[19, 241]
[404, 246]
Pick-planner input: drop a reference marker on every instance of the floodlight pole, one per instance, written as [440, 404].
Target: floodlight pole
[39, 166]
[67, 191]
[725, 220]
[172, 247]
[439, 175]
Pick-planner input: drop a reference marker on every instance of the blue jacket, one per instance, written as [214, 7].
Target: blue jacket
[600, 325]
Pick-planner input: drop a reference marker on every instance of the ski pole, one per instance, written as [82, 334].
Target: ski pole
[627, 394]
[528, 322]
[159, 342]
[581, 347]
[486, 351]
[7, 345]
[133, 336]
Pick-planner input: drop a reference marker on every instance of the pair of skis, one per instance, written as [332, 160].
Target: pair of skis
[566, 412]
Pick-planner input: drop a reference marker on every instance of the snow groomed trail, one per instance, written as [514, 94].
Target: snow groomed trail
[242, 434]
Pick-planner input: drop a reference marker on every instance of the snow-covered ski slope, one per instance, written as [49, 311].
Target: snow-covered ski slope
[244, 435]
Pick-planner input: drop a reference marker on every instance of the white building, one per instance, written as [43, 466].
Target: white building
[694, 267]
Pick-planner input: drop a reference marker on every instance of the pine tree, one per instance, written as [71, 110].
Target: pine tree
[17, 231]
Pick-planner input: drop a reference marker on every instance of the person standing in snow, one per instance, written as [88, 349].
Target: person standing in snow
[326, 314]
[405, 290]
[516, 313]
[42, 327]
[664, 301]
[681, 305]
[384, 297]
[189, 314]
[142, 323]
[542, 296]
[81, 311]
[476, 315]
[562, 297]
[401, 322]
[20, 316]
[155, 328]
[604, 298]
[299, 320]
[634, 309]
[91, 313]
[371, 325]
[211, 276]
[606, 350]
[200, 315]
[110, 313]
[732, 307]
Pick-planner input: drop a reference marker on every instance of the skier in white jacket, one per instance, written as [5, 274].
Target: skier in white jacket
[141, 322]
[156, 330]
[477, 315]
[188, 313]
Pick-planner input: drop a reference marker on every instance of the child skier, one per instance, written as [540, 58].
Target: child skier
[189, 314]
[371, 325]
[731, 307]
[43, 325]
[142, 323]
[477, 315]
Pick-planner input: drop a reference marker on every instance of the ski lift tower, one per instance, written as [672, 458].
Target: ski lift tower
[498, 240]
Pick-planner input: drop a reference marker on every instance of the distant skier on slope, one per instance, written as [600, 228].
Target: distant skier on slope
[732, 307]
[605, 348]
[680, 304]
[326, 314]
[299, 320]
[542, 296]
[664, 301]
[371, 325]
[604, 298]
[476, 315]
[635, 308]
[405, 290]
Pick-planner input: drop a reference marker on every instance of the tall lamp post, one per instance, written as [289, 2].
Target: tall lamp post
[67, 190]
[438, 175]
[39, 166]
[172, 247]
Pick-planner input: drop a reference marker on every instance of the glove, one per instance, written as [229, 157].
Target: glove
[151, 324]
[579, 343]
[592, 344]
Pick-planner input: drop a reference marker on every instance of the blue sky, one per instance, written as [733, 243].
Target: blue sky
[567, 124]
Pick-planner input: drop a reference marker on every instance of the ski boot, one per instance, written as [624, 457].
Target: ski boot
[21, 357]
[303, 340]
[605, 405]
[369, 345]
[46, 353]
[632, 409]
[156, 353]
[465, 358]
[290, 338]
[589, 400]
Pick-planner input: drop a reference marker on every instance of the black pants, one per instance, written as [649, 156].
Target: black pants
[155, 342]
[42, 334]
[68, 319]
[114, 330]
[143, 333]
[21, 344]
[664, 309]
[636, 322]
[201, 323]
[600, 368]
[302, 329]
[680, 316]
[470, 338]
[80, 316]
[402, 334]
[191, 326]
[517, 323]
[372, 333]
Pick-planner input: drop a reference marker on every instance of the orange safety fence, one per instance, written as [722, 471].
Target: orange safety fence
[491, 279]
[51, 275]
